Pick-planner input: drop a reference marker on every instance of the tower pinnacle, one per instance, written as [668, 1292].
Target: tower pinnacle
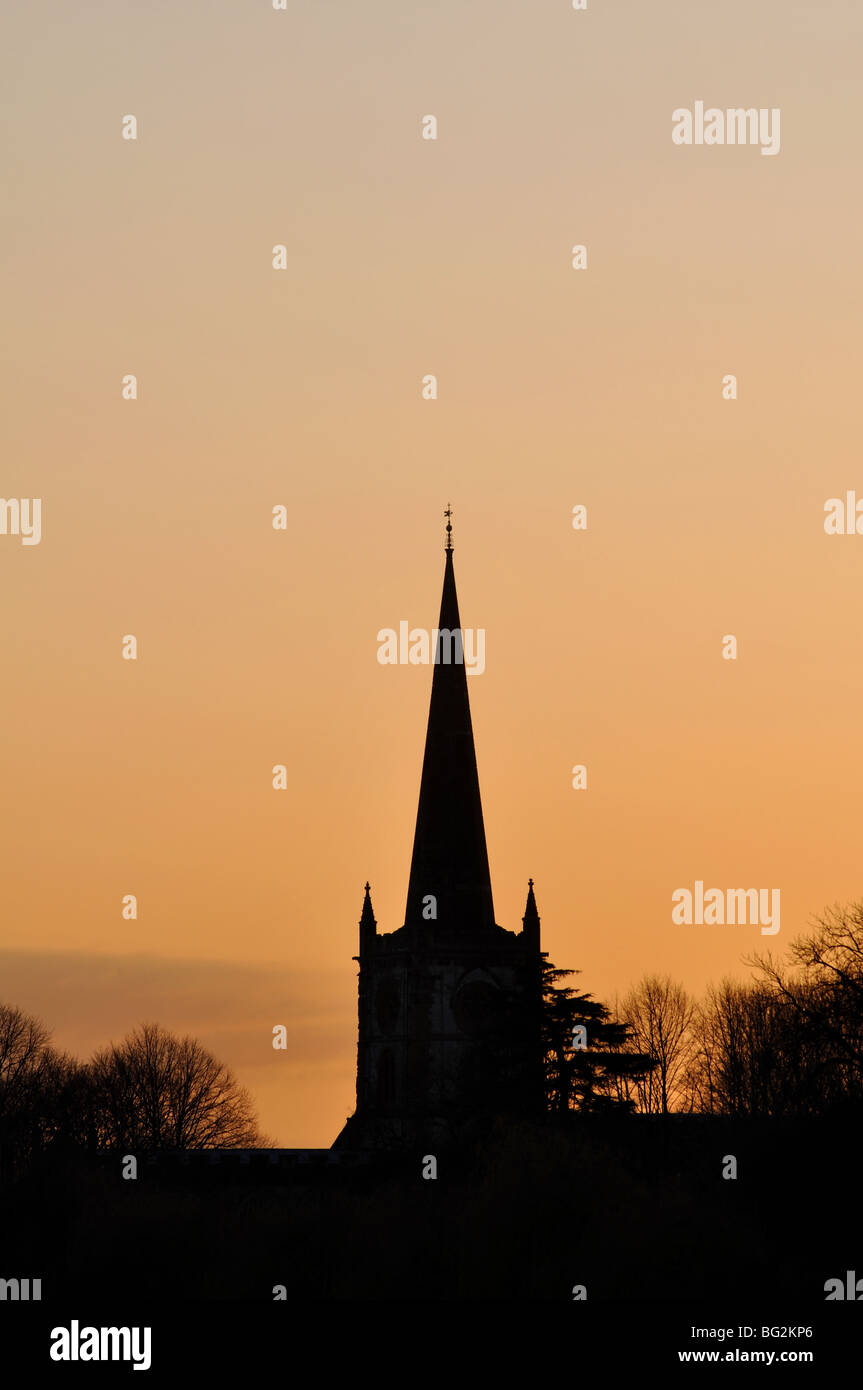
[530, 920]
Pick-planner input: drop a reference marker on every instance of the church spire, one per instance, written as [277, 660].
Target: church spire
[530, 920]
[368, 925]
[368, 917]
[530, 913]
[450, 859]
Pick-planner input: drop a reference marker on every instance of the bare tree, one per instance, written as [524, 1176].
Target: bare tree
[754, 1055]
[156, 1091]
[34, 1081]
[660, 1015]
[822, 991]
[731, 1048]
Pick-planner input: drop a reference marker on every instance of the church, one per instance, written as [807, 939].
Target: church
[450, 1003]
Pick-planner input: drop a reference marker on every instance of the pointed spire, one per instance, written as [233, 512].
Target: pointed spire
[368, 917]
[368, 925]
[530, 920]
[450, 859]
[531, 916]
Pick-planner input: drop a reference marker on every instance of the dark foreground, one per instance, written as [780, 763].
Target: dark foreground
[630, 1209]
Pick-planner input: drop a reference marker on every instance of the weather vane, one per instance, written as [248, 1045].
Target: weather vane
[448, 515]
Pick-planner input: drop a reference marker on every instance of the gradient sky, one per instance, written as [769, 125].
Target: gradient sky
[602, 387]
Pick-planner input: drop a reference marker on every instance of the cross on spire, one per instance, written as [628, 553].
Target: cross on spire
[448, 515]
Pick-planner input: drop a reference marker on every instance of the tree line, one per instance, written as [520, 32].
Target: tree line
[789, 1042]
[151, 1091]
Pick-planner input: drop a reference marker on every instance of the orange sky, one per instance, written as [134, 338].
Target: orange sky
[557, 387]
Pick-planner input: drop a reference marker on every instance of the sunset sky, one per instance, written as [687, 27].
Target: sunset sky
[303, 387]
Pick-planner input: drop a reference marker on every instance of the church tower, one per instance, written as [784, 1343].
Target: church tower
[450, 1003]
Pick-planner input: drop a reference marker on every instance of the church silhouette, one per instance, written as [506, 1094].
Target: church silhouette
[450, 1004]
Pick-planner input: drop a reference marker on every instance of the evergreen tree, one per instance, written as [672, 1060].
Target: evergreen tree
[591, 1070]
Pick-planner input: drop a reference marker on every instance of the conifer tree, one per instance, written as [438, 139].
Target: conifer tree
[588, 1070]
